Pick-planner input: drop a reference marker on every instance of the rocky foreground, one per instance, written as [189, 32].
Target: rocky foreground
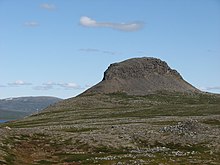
[118, 129]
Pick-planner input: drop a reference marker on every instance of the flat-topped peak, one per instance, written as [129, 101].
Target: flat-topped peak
[138, 68]
[141, 76]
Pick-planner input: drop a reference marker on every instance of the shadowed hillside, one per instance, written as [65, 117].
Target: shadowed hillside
[15, 108]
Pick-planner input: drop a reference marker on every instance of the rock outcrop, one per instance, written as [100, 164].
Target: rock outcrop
[141, 76]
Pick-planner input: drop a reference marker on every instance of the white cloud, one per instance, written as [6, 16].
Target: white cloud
[49, 83]
[48, 6]
[109, 52]
[213, 89]
[86, 21]
[19, 83]
[45, 86]
[129, 27]
[70, 85]
[31, 24]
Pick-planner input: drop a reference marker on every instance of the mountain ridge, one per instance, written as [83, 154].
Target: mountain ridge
[18, 107]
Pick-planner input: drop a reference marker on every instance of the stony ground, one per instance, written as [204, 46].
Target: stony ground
[164, 128]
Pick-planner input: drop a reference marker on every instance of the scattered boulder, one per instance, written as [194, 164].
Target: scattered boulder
[188, 127]
[7, 128]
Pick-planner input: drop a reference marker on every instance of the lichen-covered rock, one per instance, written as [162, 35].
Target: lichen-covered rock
[188, 127]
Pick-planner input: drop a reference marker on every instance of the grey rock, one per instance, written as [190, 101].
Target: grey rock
[188, 127]
[141, 76]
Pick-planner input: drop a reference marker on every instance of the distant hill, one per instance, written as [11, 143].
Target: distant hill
[14, 108]
[141, 76]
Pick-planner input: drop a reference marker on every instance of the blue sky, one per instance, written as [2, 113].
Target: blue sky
[61, 47]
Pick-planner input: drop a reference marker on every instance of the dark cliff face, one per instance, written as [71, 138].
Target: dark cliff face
[141, 76]
[139, 68]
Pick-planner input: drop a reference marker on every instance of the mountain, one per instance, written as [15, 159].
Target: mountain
[142, 112]
[14, 108]
[141, 76]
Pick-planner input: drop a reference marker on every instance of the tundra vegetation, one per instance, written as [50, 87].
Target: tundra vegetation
[166, 128]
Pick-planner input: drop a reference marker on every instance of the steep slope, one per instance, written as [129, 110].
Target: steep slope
[141, 76]
[14, 108]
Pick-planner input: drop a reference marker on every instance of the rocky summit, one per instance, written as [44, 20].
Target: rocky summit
[141, 76]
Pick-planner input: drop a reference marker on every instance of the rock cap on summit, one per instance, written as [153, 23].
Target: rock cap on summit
[141, 76]
[138, 68]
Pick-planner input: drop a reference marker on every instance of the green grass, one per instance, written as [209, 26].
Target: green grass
[102, 111]
[164, 122]
[73, 130]
[186, 148]
[169, 97]
[214, 122]
[10, 159]
[166, 104]
[74, 157]
[120, 105]
[45, 162]
[109, 150]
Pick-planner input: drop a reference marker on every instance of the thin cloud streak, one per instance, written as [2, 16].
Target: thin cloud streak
[48, 6]
[213, 88]
[19, 83]
[43, 87]
[31, 24]
[92, 50]
[69, 85]
[53, 85]
[129, 27]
